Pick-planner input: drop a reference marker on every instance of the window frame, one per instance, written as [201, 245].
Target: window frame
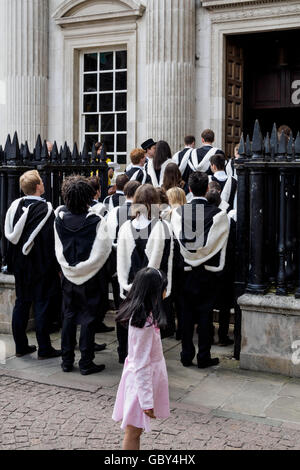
[82, 131]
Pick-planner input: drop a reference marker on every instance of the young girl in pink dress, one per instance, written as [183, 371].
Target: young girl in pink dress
[143, 391]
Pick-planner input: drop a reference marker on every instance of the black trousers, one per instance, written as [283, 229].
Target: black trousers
[42, 315]
[224, 320]
[110, 269]
[177, 297]
[122, 335]
[81, 305]
[199, 299]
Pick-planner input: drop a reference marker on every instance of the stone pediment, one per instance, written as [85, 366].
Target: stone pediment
[217, 4]
[76, 12]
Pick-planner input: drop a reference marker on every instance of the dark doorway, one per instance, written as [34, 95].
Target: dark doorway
[270, 84]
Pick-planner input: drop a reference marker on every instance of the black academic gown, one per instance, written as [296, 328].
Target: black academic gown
[36, 274]
[137, 174]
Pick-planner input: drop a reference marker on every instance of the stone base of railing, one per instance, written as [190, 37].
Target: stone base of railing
[270, 334]
[7, 302]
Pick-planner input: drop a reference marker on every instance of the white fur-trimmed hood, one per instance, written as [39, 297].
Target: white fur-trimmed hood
[14, 233]
[216, 241]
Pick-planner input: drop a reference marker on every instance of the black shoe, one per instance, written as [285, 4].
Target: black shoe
[50, 355]
[99, 347]
[187, 363]
[122, 359]
[67, 368]
[55, 328]
[102, 328]
[208, 363]
[178, 335]
[29, 350]
[226, 342]
[93, 369]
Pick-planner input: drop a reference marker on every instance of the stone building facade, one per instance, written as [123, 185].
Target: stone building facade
[127, 70]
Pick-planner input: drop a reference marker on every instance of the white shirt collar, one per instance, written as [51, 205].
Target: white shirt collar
[220, 175]
[36, 198]
[120, 192]
[199, 197]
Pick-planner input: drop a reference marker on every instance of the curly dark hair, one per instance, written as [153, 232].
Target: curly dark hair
[77, 194]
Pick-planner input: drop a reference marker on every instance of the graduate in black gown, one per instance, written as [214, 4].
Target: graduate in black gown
[137, 171]
[200, 157]
[117, 199]
[82, 246]
[158, 164]
[96, 205]
[31, 258]
[228, 183]
[173, 178]
[225, 299]
[201, 230]
[116, 218]
[144, 241]
[181, 158]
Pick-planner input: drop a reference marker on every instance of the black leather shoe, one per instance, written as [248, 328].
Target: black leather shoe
[99, 347]
[55, 328]
[209, 363]
[102, 328]
[93, 369]
[226, 342]
[53, 353]
[187, 363]
[67, 368]
[29, 350]
[178, 335]
[122, 359]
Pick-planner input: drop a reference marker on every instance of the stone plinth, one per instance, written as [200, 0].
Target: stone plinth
[7, 302]
[270, 326]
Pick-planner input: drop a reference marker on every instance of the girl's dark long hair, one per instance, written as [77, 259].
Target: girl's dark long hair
[162, 153]
[172, 177]
[144, 301]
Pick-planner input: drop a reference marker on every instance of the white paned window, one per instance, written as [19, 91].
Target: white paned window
[104, 102]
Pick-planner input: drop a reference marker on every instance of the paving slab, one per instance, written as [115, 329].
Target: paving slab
[253, 398]
[214, 390]
[291, 388]
[285, 409]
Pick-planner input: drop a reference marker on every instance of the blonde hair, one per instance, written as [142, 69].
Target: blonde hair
[29, 182]
[137, 155]
[176, 197]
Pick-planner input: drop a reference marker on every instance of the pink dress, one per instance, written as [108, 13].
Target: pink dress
[144, 382]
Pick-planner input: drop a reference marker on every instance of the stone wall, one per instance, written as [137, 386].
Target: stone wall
[270, 329]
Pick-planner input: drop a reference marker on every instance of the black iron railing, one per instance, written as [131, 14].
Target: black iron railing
[268, 214]
[53, 168]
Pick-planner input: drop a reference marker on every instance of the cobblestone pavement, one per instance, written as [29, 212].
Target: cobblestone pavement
[37, 416]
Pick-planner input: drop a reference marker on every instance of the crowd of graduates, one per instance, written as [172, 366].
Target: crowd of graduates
[175, 214]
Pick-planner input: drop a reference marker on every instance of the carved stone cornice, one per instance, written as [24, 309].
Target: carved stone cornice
[223, 4]
[265, 11]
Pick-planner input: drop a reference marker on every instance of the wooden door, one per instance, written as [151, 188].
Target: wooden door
[234, 95]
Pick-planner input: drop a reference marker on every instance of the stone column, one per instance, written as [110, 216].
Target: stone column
[170, 70]
[23, 68]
